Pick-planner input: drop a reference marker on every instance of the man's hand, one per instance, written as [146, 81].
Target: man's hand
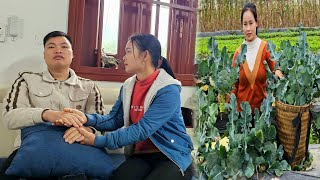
[73, 135]
[73, 117]
[53, 116]
[88, 136]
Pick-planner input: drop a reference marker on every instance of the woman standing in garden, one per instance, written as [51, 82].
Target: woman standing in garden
[252, 82]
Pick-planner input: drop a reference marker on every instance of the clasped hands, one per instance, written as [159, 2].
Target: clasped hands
[74, 119]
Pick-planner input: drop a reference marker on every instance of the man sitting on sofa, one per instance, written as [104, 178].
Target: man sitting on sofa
[37, 98]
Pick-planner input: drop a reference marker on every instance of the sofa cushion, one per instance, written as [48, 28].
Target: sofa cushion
[44, 153]
[7, 138]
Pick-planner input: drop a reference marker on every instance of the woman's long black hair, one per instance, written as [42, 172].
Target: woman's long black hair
[148, 42]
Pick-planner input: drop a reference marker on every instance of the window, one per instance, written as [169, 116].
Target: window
[111, 16]
[97, 25]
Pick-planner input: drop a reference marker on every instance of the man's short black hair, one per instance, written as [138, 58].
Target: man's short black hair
[56, 34]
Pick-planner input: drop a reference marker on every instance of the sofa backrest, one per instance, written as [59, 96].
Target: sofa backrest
[7, 137]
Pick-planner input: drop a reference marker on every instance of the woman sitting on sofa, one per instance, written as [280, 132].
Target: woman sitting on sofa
[149, 108]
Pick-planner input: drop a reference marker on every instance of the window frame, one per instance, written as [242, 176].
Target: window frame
[87, 40]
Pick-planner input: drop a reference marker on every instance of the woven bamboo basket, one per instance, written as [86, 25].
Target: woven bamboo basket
[293, 134]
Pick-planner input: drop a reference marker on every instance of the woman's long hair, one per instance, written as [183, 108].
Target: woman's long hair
[148, 42]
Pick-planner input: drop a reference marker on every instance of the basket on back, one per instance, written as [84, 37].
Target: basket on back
[293, 124]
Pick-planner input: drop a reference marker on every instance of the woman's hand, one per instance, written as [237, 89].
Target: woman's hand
[73, 118]
[73, 135]
[278, 73]
[88, 136]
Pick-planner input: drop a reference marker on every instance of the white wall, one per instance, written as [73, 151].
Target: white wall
[38, 17]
